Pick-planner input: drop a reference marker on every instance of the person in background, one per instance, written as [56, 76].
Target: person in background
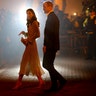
[30, 60]
[59, 13]
[51, 46]
[91, 36]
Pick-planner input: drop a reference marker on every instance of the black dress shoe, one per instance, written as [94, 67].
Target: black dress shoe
[52, 89]
[62, 83]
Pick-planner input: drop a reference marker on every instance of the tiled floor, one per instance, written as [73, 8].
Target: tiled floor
[80, 74]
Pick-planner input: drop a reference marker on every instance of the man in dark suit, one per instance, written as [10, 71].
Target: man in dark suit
[51, 46]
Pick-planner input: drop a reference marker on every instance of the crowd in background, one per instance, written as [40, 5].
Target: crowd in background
[77, 30]
[75, 22]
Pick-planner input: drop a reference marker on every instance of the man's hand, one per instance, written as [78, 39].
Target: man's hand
[44, 49]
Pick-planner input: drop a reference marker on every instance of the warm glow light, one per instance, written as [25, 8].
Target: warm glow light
[22, 14]
[74, 13]
[59, 3]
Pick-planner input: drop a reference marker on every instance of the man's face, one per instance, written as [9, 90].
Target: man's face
[45, 8]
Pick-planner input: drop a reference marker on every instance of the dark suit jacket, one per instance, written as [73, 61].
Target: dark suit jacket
[51, 32]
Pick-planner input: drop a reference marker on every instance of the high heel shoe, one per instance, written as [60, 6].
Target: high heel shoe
[41, 84]
[17, 86]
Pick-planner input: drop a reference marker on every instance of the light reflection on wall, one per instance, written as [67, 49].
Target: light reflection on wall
[71, 6]
[58, 2]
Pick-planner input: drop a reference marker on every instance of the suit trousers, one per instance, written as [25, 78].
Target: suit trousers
[48, 63]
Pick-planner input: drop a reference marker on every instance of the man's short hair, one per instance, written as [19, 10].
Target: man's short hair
[49, 3]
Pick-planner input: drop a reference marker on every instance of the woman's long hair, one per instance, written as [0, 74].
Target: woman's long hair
[34, 18]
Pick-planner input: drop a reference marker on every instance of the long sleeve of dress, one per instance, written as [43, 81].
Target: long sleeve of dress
[33, 32]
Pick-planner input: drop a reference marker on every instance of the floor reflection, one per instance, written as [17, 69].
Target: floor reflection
[69, 67]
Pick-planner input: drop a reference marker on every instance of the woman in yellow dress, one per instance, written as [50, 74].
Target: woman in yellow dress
[30, 60]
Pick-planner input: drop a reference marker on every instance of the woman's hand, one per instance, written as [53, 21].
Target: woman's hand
[22, 33]
[24, 41]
